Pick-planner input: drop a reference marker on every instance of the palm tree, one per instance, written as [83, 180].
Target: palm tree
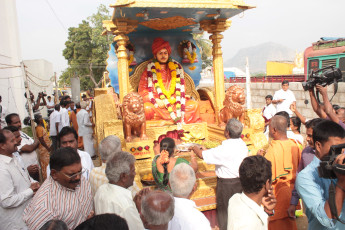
[205, 46]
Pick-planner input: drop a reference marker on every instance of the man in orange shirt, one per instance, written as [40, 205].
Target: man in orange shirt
[284, 155]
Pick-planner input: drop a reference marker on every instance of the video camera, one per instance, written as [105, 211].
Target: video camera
[327, 168]
[323, 77]
[42, 94]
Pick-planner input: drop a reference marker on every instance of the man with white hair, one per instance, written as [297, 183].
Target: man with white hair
[227, 157]
[107, 148]
[183, 184]
[85, 129]
[114, 197]
[157, 209]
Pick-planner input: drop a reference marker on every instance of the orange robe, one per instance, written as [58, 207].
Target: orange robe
[192, 111]
[80, 139]
[284, 156]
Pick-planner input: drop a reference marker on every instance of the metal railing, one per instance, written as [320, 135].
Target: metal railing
[268, 79]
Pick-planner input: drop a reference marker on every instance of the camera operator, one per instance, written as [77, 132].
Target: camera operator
[326, 111]
[313, 189]
[36, 104]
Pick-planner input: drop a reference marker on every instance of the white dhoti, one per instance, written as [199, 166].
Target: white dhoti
[88, 144]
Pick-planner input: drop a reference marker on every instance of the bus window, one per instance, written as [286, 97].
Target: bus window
[342, 67]
[328, 62]
[313, 65]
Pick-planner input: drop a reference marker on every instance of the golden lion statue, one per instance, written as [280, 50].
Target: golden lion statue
[233, 105]
[133, 115]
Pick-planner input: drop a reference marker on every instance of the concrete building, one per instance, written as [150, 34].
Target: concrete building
[11, 77]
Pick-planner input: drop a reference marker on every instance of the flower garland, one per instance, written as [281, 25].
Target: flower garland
[191, 58]
[176, 86]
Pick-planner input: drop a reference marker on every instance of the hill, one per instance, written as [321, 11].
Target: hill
[259, 55]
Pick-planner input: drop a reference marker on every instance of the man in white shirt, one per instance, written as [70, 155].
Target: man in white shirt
[227, 158]
[183, 184]
[16, 188]
[68, 137]
[114, 197]
[269, 110]
[50, 105]
[64, 115]
[85, 129]
[55, 120]
[27, 148]
[283, 98]
[156, 210]
[245, 211]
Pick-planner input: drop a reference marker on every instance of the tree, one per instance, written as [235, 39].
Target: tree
[86, 51]
[205, 46]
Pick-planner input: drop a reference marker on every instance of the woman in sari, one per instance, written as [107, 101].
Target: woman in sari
[164, 163]
[45, 144]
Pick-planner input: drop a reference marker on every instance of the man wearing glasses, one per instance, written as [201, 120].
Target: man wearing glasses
[68, 137]
[65, 195]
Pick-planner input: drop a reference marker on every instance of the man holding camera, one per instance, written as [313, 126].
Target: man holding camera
[36, 104]
[326, 111]
[314, 189]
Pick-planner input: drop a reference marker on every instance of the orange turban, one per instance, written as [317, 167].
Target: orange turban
[159, 44]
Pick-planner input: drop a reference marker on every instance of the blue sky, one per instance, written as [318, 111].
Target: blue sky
[294, 23]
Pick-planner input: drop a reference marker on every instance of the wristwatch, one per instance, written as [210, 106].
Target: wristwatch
[270, 212]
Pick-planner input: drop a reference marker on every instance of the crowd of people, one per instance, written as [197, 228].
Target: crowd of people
[253, 192]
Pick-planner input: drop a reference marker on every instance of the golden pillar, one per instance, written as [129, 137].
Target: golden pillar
[122, 65]
[215, 27]
[121, 27]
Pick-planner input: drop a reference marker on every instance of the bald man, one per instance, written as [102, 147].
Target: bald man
[157, 209]
[284, 155]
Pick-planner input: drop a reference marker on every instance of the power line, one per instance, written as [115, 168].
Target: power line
[51, 8]
[37, 77]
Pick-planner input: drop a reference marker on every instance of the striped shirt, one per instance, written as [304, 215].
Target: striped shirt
[54, 201]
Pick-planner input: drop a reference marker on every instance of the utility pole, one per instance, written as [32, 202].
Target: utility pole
[249, 95]
[31, 115]
[56, 98]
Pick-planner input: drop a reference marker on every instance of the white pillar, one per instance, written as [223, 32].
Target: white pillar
[249, 96]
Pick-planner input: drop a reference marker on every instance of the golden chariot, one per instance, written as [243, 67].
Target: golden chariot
[136, 22]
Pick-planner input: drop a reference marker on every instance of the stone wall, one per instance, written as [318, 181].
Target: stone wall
[260, 90]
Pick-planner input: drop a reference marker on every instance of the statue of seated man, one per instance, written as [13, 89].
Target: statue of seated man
[162, 86]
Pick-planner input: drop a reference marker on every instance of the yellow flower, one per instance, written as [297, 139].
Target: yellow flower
[170, 109]
[160, 81]
[161, 97]
[191, 58]
[171, 66]
[178, 106]
[172, 100]
[178, 93]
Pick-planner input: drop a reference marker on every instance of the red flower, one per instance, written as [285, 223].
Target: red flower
[155, 81]
[183, 107]
[182, 81]
[140, 148]
[178, 89]
[153, 67]
[183, 94]
[242, 135]
[153, 101]
[147, 147]
[178, 75]
[149, 74]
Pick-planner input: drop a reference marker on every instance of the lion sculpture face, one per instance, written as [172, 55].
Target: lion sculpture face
[133, 107]
[234, 95]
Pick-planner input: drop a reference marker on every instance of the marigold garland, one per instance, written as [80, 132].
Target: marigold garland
[191, 58]
[155, 80]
